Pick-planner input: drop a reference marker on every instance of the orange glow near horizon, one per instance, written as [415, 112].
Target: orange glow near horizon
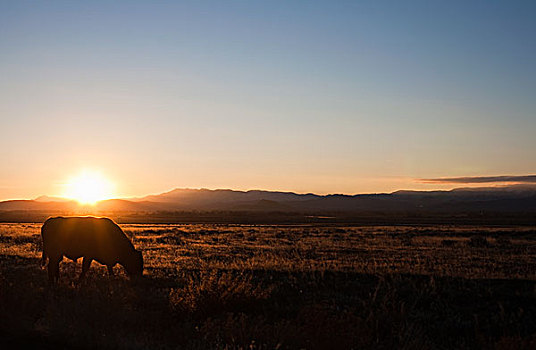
[88, 187]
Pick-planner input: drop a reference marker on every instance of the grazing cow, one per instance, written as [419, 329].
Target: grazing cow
[91, 238]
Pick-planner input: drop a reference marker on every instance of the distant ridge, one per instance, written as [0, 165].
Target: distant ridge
[515, 198]
[51, 199]
[203, 194]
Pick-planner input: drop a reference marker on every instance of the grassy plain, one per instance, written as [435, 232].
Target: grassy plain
[278, 287]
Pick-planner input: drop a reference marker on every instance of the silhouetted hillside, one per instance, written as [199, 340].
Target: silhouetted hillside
[204, 198]
[501, 199]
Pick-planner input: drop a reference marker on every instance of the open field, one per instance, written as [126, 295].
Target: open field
[264, 287]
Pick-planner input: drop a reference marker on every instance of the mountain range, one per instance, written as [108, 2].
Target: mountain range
[514, 198]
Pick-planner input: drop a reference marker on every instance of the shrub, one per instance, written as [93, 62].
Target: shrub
[478, 242]
[448, 242]
[503, 241]
[214, 292]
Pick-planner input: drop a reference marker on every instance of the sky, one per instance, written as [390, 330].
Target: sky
[305, 96]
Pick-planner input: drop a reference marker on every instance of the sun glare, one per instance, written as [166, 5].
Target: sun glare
[88, 188]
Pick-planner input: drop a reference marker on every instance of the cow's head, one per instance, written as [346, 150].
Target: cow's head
[134, 264]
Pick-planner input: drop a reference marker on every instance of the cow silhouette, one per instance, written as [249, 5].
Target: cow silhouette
[91, 238]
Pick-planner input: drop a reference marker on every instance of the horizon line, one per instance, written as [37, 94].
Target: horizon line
[438, 181]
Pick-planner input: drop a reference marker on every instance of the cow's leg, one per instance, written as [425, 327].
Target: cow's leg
[53, 269]
[51, 272]
[86, 263]
[110, 270]
[57, 270]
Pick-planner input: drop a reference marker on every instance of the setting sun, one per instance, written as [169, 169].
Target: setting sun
[88, 188]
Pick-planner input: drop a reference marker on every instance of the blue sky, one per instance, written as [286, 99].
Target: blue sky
[324, 97]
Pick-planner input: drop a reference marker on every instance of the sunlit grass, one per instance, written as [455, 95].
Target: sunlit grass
[224, 286]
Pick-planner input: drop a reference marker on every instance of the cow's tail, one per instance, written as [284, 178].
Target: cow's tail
[44, 256]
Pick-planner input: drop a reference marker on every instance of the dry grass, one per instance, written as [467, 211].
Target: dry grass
[264, 287]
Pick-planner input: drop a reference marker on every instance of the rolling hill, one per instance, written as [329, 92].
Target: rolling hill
[516, 198]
